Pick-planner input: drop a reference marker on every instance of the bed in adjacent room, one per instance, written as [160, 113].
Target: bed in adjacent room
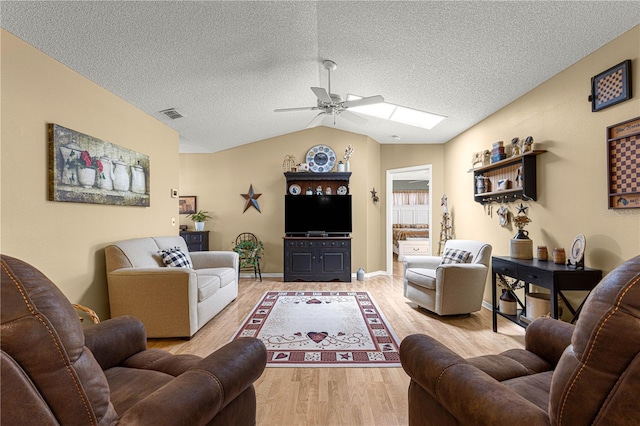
[410, 239]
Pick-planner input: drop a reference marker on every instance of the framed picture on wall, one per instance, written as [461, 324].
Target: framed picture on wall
[611, 86]
[187, 204]
[86, 169]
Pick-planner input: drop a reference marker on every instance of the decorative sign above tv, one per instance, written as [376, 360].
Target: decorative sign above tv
[84, 169]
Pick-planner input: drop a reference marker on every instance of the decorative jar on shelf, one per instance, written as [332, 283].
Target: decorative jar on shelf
[121, 176]
[70, 173]
[508, 303]
[482, 184]
[86, 176]
[106, 178]
[138, 184]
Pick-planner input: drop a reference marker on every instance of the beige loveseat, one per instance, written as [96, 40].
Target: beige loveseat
[170, 301]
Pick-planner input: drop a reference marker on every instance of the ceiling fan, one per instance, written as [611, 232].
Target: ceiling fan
[332, 104]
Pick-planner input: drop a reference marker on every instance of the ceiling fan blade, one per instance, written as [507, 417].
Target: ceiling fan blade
[377, 99]
[322, 95]
[354, 118]
[295, 109]
[316, 120]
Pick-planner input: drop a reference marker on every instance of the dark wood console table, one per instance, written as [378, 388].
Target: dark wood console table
[557, 278]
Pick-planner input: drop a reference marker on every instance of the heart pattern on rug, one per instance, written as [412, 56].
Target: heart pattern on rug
[317, 337]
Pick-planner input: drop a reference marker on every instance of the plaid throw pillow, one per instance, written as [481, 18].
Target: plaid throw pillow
[176, 258]
[455, 256]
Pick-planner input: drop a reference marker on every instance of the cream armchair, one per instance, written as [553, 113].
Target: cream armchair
[170, 301]
[449, 288]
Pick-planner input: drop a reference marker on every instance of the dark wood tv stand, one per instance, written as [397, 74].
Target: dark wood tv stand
[309, 257]
[317, 258]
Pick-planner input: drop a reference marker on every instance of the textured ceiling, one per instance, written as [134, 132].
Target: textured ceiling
[226, 66]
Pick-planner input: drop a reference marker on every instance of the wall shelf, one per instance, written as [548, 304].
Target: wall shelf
[519, 173]
[324, 180]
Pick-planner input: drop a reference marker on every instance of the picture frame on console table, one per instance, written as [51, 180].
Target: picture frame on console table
[623, 173]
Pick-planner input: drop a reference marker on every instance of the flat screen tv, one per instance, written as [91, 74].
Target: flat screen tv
[311, 214]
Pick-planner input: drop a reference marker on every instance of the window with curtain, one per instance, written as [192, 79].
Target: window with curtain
[410, 197]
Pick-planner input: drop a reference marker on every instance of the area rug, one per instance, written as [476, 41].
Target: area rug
[322, 329]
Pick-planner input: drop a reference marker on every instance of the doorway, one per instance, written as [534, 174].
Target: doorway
[419, 177]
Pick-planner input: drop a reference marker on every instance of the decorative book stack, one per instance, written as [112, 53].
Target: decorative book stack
[497, 152]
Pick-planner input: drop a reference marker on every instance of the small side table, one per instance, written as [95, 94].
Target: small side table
[196, 240]
[557, 278]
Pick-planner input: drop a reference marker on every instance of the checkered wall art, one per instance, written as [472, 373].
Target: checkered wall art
[611, 86]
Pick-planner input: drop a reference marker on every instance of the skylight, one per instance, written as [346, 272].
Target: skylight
[397, 113]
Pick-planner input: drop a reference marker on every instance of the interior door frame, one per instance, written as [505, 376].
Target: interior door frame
[391, 173]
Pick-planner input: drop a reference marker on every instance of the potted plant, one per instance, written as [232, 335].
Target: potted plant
[199, 219]
[250, 252]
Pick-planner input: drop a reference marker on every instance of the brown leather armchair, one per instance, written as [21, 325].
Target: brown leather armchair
[56, 372]
[566, 375]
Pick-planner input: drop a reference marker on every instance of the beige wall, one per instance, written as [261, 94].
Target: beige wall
[219, 179]
[66, 240]
[572, 175]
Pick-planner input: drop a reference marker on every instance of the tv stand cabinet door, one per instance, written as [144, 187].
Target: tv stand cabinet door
[300, 260]
[335, 260]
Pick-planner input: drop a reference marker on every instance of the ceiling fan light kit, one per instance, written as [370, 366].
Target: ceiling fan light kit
[332, 104]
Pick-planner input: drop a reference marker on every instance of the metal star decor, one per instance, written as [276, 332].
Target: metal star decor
[252, 199]
[522, 209]
[374, 195]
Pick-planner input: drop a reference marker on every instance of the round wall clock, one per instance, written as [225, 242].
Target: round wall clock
[321, 159]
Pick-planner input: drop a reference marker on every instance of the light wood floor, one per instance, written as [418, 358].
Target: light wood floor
[347, 396]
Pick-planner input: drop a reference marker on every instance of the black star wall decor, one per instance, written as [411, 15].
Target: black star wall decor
[522, 209]
[252, 199]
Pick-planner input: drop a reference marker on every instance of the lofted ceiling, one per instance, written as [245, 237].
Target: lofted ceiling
[225, 66]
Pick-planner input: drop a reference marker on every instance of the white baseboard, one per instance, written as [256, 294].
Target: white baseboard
[487, 305]
[281, 275]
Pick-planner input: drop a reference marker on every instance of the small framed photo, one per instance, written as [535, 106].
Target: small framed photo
[611, 86]
[187, 204]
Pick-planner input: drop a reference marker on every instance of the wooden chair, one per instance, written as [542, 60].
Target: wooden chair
[249, 258]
